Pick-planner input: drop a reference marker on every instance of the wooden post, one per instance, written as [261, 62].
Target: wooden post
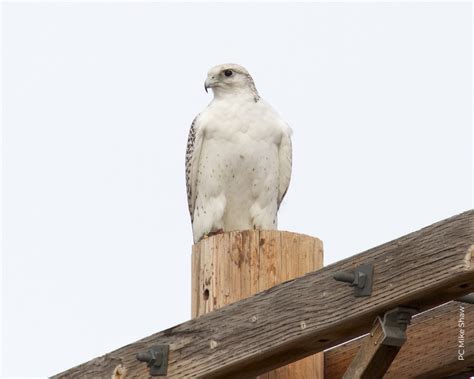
[232, 266]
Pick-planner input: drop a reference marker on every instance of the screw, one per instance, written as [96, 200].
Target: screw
[360, 279]
[156, 359]
[355, 279]
[344, 276]
[151, 358]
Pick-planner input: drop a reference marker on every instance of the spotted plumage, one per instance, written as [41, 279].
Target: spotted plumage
[238, 157]
[189, 155]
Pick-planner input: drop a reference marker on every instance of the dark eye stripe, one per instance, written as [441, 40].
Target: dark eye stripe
[228, 73]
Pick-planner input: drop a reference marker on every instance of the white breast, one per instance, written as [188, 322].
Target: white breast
[237, 182]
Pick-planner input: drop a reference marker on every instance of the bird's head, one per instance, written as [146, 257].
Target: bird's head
[228, 79]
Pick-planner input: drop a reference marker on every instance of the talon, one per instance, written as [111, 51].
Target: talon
[219, 231]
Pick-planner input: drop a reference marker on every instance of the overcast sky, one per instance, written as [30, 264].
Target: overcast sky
[97, 103]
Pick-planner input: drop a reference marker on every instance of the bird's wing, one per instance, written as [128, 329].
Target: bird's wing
[284, 155]
[193, 152]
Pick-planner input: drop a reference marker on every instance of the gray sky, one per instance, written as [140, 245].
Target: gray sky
[97, 102]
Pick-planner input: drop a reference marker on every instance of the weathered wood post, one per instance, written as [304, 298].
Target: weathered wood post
[232, 266]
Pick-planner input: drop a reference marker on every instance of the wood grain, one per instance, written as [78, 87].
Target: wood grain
[431, 349]
[373, 358]
[245, 263]
[421, 270]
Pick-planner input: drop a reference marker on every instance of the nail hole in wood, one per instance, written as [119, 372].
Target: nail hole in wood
[323, 340]
[465, 285]
[205, 294]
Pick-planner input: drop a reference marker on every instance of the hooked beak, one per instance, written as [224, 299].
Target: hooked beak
[209, 83]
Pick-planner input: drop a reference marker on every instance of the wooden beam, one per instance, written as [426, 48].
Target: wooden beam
[378, 349]
[303, 316]
[431, 350]
[373, 359]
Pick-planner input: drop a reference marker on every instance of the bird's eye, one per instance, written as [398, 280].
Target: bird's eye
[228, 73]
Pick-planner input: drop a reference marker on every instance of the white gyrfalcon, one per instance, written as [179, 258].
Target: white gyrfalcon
[238, 157]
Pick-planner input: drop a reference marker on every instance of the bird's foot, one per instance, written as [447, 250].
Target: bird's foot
[213, 233]
[210, 234]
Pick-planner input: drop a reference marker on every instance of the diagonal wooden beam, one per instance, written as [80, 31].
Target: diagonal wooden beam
[431, 350]
[312, 313]
[379, 348]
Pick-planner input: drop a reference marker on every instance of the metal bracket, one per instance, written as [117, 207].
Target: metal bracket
[394, 324]
[156, 359]
[468, 299]
[361, 279]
